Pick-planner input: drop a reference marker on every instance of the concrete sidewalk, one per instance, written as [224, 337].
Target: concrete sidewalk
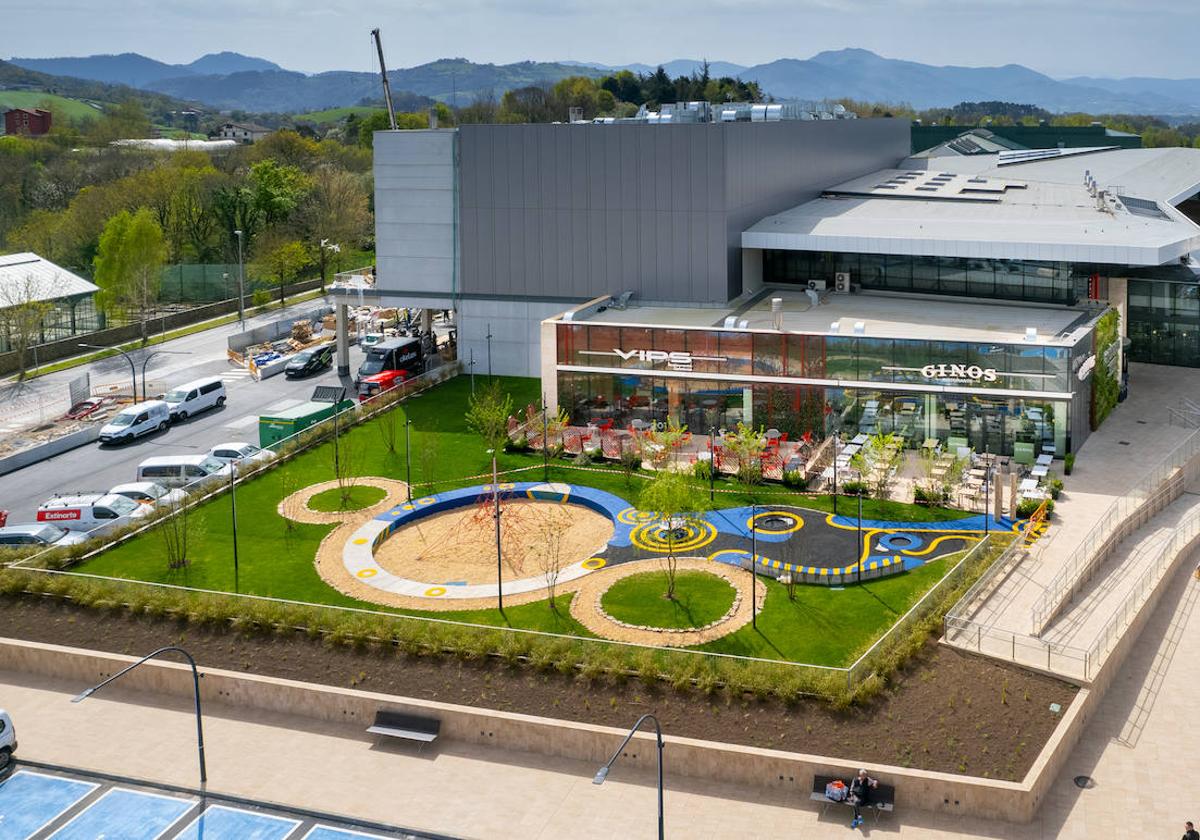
[1139, 737]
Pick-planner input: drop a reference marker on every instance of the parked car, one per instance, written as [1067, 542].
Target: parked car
[149, 493]
[310, 361]
[8, 739]
[181, 470]
[136, 420]
[240, 452]
[193, 397]
[89, 512]
[38, 533]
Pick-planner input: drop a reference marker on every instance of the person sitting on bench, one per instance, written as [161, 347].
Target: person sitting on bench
[860, 795]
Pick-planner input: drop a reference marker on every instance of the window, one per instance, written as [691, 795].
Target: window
[160, 472]
[143, 417]
[104, 513]
[210, 387]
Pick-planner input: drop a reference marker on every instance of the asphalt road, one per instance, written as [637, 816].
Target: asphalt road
[94, 469]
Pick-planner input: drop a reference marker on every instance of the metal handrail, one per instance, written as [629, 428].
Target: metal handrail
[1081, 562]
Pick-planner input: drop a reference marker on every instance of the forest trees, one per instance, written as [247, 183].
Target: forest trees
[22, 308]
[129, 264]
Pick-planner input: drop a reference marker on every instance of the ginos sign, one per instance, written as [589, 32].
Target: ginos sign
[973, 372]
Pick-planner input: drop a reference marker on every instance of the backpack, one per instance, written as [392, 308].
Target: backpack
[836, 790]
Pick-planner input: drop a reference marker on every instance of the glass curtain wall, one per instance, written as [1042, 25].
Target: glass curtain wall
[1164, 322]
[1043, 282]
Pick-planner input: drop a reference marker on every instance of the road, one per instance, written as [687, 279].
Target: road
[94, 469]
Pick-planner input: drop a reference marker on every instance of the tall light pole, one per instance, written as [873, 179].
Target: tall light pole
[408, 457]
[712, 461]
[471, 366]
[233, 509]
[545, 442]
[496, 516]
[128, 358]
[146, 360]
[241, 282]
[602, 773]
[195, 686]
[753, 565]
[859, 558]
[489, 349]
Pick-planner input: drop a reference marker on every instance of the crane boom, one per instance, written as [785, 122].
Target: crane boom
[387, 89]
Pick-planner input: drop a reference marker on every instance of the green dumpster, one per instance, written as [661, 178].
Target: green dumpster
[284, 424]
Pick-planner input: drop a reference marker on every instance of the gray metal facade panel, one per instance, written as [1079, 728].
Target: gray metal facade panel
[607, 208]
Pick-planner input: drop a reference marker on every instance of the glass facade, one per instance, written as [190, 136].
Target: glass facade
[1042, 282]
[982, 422]
[654, 374]
[66, 318]
[838, 357]
[1164, 322]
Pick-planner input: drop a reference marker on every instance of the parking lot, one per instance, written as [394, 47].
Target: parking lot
[39, 803]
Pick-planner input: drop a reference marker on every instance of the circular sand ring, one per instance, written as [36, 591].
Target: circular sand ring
[586, 608]
[351, 537]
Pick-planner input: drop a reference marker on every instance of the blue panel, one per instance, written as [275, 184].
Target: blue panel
[127, 814]
[29, 801]
[221, 823]
[324, 832]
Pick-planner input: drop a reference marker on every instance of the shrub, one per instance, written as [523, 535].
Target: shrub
[260, 298]
[856, 488]
[1055, 484]
[516, 445]
[794, 479]
[1026, 507]
[1068, 463]
[750, 473]
[702, 470]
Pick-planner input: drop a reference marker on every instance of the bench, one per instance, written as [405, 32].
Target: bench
[883, 797]
[406, 726]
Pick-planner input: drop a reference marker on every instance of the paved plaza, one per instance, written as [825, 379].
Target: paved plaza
[1140, 740]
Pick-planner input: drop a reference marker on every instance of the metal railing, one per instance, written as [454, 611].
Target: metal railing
[1110, 528]
[1182, 536]
[1030, 651]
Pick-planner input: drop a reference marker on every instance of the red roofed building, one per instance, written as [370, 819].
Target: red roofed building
[31, 121]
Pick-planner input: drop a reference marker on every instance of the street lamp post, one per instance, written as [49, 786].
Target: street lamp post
[233, 508]
[602, 773]
[195, 686]
[859, 558]
[471, 365]
[489, 351]
[712, 461]
[128, 358]
[753, 564]
[408, 457]
[496, 516]
[545, 442]
[241, 282]
[146, 360]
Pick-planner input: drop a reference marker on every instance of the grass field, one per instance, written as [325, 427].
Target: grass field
[73, 108]
[355, 498]
[330, 115]
[822, 626]
[700, 599]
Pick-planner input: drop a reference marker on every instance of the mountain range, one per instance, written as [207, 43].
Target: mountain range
[233, 81]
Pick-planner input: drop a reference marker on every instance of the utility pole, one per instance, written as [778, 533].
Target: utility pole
[545, 442]
[753, 565]
[241, 283]
[860, 539]
[496, 515]
[233, 508]
[489, 349]
[712, 462]
[408, 457]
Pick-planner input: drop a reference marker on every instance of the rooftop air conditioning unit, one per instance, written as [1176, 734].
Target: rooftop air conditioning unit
[841, 283]
[817, 285]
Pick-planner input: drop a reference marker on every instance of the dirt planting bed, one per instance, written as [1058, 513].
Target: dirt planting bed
[946, 711]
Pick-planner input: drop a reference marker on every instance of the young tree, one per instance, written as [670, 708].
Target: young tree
[346, 453]
[285, 261]
[746, 445]
[552, 533]
[673, 499]
[659, 445]
[22, 309]
[488, 414]
[129, 263]
[174, 531]
[874, 462]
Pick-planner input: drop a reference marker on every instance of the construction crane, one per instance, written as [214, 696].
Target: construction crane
[387, 89]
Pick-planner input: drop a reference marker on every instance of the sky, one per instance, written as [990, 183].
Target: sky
[1059, 37]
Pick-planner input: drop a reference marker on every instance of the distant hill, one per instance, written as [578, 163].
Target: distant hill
[233, 81]
[137, 70]
[14, 78]
[861, 74]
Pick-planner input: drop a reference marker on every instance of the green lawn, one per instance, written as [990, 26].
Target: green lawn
[276, 556]
[73, 108]
[700, 599]
[828, 626]
[355, 498]
[330, 115]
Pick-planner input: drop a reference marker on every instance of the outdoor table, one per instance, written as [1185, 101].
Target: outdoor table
[1027, 484]
[975, 480]
[930, 443]
[851, 449]
[703, 455]
[827, 473]
[1045, 459]
[1050, 448]
[772, 434]
[1039, 471]
[860, 439]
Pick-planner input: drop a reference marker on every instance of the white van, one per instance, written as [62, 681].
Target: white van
[193, 397]
[8, 739]
[136, 420]
[90, 511]
[181, 470]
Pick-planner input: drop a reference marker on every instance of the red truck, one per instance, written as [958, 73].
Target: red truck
[388, 364]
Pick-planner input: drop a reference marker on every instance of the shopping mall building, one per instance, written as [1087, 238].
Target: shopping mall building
[804, 275]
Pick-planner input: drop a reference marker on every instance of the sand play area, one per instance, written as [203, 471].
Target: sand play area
[459, 546]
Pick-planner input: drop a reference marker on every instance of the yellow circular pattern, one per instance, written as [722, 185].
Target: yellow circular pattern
[435, 591]
[651, 536]
[428, 500]
[360, 541]
[797, 522]
[594, 563]
[366, 573]
[633, 516]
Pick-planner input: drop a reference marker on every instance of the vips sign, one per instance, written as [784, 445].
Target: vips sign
[972, 372]
[680, 360]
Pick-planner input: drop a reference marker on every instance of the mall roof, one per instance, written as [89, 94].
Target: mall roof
[882, 316]
[975, 206]
[27, 277]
